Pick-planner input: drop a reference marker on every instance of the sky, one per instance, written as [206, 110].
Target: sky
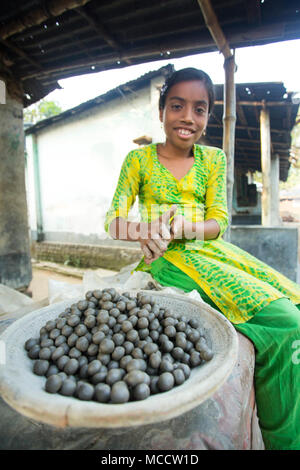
[277, 62]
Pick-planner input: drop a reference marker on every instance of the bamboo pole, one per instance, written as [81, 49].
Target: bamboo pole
[275, 199]
[229, 116]
[229, 120]
[265, 166]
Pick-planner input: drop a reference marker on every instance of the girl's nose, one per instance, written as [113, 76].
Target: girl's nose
[187, 115]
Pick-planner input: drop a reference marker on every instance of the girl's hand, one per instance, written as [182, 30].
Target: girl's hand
[155, 236]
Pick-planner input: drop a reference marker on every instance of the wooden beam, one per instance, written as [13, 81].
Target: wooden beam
[20, 53]
[257, 129]
[252, 141]
[253, 11]
[258, 103]
[215, 30]
[37, 15]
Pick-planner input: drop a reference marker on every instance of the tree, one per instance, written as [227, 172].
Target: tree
[43, 109]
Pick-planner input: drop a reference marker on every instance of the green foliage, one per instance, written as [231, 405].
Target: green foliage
[41, 110]
[71, 261]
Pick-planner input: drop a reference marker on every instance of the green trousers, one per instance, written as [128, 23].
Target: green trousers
[275, 333]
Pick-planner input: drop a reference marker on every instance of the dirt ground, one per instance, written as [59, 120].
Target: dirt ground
[39, 283]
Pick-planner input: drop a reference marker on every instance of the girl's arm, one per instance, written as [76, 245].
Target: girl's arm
[216, 217]
[183, 229]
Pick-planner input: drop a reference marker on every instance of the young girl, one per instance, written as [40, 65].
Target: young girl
[182, 200]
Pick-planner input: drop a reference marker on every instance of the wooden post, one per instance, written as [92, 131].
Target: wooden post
[229, 114]
[275, 213]
[265, 135]
[229, 119]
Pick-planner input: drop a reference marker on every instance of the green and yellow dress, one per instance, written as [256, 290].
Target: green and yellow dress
[234, 282]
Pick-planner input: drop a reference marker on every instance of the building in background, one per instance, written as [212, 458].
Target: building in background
[74, 161]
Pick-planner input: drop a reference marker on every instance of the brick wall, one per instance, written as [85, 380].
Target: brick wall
[86, 256]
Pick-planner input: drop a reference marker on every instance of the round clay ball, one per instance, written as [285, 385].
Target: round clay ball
[206, 354]
[141, 391]
[82, 344]
[94, 367]
[106, 346]
[33, 352]
[68, 387]
[166, 381]
[98, 337]
[99, 376]
[119, 392]
[178, 376]
[41, 367]
[62, 361]
[80, 330]
[53, 370]
[30, 343]
[82, 305]
[102, 392]
[71, 366]
[85, 391]
[45, 353]
[57, 353]
[135, 377]
[114, 375]
[60, 340]
[53, 384]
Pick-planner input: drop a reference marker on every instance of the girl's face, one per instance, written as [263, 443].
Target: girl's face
[185, 114]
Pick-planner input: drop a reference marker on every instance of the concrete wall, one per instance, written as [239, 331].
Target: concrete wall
[80, 160]
[15, 265]
[112, 255]
[276, 246]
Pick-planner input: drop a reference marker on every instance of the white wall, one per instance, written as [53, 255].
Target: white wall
[80, 161]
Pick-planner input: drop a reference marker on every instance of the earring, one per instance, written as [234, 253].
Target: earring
[204, 133]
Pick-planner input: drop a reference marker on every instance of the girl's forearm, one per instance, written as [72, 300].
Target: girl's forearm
[121, 229]
[207, 230]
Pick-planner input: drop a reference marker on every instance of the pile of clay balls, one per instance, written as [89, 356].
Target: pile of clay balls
[115, 348]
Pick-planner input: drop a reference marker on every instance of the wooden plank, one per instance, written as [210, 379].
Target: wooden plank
[258, 103]
[253, 11]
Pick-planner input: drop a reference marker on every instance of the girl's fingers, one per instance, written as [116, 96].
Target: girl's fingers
[153, 246]
[166, 216]
[147, 253]
[165, 231]
[162, 244]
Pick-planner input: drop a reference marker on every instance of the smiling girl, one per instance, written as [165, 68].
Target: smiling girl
[181, 188]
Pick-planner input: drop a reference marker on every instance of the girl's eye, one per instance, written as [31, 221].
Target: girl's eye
[200, 111]
[176, 107]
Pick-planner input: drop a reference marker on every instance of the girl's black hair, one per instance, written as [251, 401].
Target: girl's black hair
[185, 75]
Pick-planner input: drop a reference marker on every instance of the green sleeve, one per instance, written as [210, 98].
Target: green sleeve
[126, 191]
[216, 193]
